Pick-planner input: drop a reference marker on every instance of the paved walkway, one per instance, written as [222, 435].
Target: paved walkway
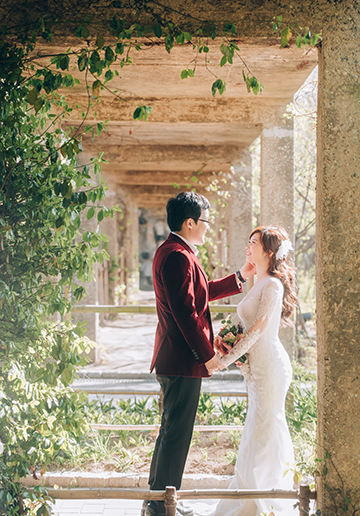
[97, 507]
[127, 342]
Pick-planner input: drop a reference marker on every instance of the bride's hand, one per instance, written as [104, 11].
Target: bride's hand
[248, 270]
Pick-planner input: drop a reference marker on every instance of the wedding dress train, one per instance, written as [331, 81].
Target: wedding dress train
[266, 450]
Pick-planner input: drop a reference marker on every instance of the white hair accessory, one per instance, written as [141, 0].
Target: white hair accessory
[283, 250]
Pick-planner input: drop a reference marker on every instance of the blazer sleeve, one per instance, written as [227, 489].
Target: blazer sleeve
[178, 283]
[224, 287]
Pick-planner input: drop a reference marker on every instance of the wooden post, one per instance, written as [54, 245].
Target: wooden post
[170, 501]
[304, 500]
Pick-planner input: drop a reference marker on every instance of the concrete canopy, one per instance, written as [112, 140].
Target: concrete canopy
[189, 129]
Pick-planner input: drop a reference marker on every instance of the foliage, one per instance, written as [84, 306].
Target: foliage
[301, 415]
[43, 250]
[118, 446]
[303, 34]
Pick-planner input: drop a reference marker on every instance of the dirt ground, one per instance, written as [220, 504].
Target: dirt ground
[210, 452]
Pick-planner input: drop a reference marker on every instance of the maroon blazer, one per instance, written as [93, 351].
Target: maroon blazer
[184, 335]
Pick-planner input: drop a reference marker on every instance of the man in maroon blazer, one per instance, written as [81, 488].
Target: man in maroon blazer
[183, 352]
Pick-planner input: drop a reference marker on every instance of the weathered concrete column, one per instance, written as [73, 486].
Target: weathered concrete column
[109, 227]
[91, 298]
[128, 241]
[338, 264]
[238, 214]
[277, 198]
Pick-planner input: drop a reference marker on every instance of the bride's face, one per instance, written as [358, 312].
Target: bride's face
[254, 251]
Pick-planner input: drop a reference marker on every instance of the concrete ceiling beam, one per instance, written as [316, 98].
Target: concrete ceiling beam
[164, 167]
[155, 153]
[249, 110]
[182, 133]
[154, 177]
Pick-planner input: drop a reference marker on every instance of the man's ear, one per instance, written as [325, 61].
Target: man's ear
[189, 223]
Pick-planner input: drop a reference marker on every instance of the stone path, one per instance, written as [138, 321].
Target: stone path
[127, 342]
[97, 508]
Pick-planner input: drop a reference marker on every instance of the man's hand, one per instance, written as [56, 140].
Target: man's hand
[221, 346]
[248, 270]
[214, 364]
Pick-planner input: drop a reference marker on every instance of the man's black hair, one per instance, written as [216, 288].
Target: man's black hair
[186, 205]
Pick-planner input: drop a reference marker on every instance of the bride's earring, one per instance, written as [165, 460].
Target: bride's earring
[266, 257]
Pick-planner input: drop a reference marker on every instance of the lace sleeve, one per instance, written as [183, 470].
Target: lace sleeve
[271, 294]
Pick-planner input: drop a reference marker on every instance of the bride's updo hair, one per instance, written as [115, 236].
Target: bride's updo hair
[271, 238]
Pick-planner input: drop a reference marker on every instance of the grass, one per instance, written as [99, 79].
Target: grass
[123, 450]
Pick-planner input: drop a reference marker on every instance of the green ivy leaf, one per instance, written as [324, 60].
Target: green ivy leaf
[64, 62]
[169, 42]
[109, 55]
[78, 31]
[85, 33]
[306, 38]
[59, 222]
[285, 37]
[219, 86]
[67, 376]
[314, 40]
[184, 74]
[119, 49]
[230, 27]
[90, 213]
[38, 104]
[96, 89]
[100, 41]
[157, 31]
[298, 41]
[32, 96]
[109, 75]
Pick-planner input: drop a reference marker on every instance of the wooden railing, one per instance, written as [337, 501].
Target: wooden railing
[171, 496]
[139, 309]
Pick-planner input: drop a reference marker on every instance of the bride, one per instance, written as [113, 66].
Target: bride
[266, 450]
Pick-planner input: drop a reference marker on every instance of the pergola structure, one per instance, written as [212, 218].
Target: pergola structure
[189, 129]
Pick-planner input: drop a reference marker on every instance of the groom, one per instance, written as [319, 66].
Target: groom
[183, 352]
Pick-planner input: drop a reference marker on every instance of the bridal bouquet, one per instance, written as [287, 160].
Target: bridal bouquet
[231, 332]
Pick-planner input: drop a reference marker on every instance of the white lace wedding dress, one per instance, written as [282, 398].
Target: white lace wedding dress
[266, 450]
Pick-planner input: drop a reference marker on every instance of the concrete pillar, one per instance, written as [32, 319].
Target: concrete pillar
[128, 241]
[109, 227]
[239, 213]
[277, 201]
[277, 175]
[338, 265]
[91, 298]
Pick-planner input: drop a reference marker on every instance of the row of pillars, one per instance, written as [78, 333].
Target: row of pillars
[277, 207]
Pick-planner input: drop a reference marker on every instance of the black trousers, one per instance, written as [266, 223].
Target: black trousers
[181, 397]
